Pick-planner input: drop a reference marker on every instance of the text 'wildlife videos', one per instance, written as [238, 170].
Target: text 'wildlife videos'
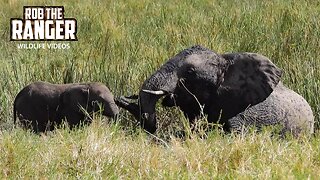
[43, 46]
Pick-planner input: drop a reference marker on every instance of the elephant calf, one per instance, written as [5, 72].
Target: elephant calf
[41, 105]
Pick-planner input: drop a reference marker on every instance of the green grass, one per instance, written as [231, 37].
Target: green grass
[120, 44]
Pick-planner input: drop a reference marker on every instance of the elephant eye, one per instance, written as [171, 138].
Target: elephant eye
[190, 71]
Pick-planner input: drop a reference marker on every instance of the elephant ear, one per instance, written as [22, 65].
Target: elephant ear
[75, 97]
[250, 78]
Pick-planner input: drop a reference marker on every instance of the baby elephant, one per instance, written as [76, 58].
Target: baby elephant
[41, 105]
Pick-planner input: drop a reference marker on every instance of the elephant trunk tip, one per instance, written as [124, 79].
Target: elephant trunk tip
[115, 112]
[150, 129]
[115, 116]
[148, 122]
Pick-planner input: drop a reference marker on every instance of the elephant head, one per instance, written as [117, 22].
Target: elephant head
[200, 80]
[92, 97]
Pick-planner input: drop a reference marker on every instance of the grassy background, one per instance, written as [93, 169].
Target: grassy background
[120, 44]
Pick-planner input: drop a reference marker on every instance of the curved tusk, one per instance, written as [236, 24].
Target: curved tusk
[160, 92]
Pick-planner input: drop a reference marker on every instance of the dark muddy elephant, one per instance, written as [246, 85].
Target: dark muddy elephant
[41, 105]
[238, 90]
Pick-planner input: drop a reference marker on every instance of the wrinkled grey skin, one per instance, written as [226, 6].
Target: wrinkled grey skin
[237, 90]
[284, 107]
[41, 105]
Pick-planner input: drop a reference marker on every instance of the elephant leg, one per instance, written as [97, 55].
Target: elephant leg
[37, 124]
[75, 119]
[27, 124]
[32, 125]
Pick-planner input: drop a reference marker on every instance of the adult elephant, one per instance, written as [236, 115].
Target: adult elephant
[41, 105]
[237, 90]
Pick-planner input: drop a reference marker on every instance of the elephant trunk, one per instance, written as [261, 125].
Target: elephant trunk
[111, 110]
[147, 103]
[159, 84]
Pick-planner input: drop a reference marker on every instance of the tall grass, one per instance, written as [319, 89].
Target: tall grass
[120, 44]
